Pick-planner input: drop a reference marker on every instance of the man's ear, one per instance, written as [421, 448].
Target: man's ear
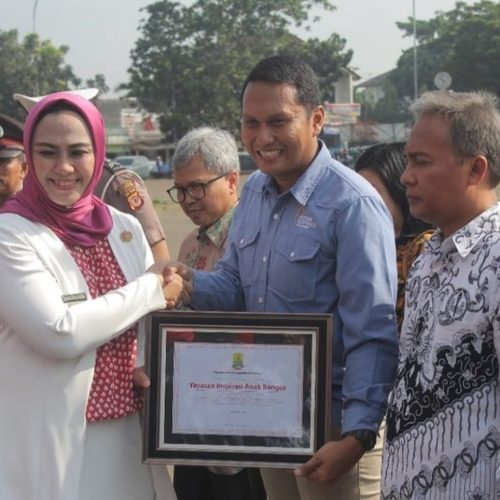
[24, 167]
[233, 178]
[317, 119]
[478, 170]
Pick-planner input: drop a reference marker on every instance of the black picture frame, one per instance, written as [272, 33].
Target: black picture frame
[176, 410]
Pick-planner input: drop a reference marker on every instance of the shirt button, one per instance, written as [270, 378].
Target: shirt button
[390, 316]
[260, 300]
[241, 241]
[275, 216]
[264, 259]
[292, 254]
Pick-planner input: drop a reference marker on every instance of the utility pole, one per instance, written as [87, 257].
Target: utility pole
[37, 79]
[34, 16]
[415, 67]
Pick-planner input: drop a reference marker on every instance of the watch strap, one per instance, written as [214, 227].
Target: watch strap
[366, 437]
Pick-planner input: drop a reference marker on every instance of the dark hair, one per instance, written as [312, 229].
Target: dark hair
[389, 162]
[289, 70]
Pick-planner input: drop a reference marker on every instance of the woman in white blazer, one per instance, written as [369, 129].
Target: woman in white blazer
[76, 277]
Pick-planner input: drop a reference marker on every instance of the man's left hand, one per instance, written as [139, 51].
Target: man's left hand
[332, 461]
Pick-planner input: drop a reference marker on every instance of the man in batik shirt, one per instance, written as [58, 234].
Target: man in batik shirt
[443, 421]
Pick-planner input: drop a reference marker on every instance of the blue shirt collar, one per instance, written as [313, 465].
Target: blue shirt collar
[307, 182]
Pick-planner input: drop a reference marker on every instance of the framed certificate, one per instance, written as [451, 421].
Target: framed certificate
[239, 389]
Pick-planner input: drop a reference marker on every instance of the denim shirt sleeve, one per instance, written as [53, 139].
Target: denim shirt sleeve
[366, 281]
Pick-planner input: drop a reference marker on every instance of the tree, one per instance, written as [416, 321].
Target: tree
[33, 67]
[99, 82]
[190, 61]
[327, 58]
[389, 109]
[465, 42]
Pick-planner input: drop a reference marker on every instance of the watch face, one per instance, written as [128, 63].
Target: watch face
[365, 437]
[442, 80]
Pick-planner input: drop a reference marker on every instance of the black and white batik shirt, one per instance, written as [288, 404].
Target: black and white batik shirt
[443, 420]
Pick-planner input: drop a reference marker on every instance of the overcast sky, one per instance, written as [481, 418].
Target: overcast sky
[101, 33]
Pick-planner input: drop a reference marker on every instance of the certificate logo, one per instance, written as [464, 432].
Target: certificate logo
[237, 360]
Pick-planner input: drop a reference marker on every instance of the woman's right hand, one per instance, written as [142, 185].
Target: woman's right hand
[172, 290]
[173, 286]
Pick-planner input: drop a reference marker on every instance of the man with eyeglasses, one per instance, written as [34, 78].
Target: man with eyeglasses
[206, 176]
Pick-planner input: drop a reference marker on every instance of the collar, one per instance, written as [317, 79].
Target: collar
[217, 232]
[307, 182]
[469, 236]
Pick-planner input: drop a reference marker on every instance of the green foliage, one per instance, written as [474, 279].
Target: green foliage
[98, 82]
[190, 61]
[389, 109]
[33, 67]
[326, 58]
[465, 42]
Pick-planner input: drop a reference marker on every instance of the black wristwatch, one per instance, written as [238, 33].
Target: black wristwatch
[365, 437]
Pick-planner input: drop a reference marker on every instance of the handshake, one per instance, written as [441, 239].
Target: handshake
[176, 281]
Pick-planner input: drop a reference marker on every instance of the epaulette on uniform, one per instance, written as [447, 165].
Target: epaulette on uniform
[126, 184]
[113, 167]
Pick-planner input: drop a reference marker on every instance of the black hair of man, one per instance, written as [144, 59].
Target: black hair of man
[289, 70]
[389, 162]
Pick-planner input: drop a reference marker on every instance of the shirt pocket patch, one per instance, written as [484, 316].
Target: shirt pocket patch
[294, 269]
[246, 243]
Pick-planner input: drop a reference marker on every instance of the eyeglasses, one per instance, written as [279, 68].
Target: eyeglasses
[197, 190]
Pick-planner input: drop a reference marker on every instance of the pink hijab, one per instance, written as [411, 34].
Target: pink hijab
[86, 221]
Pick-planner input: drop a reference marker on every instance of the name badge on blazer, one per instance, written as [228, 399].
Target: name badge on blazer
[72, 298]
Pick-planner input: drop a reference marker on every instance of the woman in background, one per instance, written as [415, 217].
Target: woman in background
[382, 165]
[76, 281]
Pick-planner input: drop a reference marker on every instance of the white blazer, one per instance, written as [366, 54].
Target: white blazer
[47, 349]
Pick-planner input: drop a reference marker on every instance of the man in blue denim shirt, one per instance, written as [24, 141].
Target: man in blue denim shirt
[310, 235]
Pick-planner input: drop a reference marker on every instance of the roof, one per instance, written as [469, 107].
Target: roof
[351, 72]
[376, 81]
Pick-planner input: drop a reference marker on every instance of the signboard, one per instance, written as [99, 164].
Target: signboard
[341, 113]
[137, 122]
[117, 136]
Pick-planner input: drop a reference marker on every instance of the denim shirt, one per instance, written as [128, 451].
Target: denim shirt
[325, 246]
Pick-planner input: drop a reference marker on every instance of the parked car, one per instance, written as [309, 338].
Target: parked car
[158, 169]
[138, 164]
[246, 162]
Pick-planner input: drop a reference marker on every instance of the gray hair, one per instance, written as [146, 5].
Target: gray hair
[217, 147]
[474, 120]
